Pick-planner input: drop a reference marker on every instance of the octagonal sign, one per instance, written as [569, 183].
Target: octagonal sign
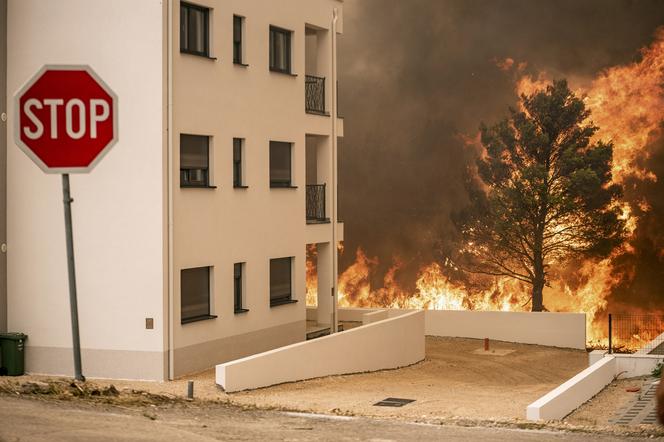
[65, 119]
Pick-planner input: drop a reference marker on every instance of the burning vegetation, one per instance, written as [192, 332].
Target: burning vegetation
[626, 103]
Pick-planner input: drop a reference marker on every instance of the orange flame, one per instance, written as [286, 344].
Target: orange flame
[627, 103]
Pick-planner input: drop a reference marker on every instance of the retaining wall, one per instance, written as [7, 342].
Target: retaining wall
[567, 397]
[566, 330]
[390, 343]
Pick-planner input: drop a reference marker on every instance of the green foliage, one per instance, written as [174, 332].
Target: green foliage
[544, 192]
[657, 371]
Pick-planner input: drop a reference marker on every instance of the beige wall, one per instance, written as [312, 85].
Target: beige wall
[221, 226]
[118, 208]
[391, 343]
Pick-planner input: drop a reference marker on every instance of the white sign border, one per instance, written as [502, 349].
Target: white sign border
[17, 113]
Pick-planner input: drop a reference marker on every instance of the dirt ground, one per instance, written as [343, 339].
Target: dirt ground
[598, 410]
[453, 381]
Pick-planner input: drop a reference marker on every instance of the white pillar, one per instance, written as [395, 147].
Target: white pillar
[324, 270]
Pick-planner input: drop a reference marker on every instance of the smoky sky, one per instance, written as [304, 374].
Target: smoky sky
[418, 76]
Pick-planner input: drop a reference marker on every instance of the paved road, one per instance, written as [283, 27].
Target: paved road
[39, 420]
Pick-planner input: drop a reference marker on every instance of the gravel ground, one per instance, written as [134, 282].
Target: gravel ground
[453, 381]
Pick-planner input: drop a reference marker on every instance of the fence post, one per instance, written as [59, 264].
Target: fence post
[610, 333]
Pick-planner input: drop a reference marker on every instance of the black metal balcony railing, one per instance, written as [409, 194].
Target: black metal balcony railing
[316, 202]
[314, 96]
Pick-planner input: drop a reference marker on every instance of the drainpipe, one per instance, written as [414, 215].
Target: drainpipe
[169, 187]
[335, 256]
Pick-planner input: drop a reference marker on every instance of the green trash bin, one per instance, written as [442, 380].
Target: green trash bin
[12, 346]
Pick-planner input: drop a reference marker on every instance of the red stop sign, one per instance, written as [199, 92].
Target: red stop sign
[66, 119]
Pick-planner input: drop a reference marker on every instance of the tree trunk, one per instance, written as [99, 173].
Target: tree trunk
[538, 298]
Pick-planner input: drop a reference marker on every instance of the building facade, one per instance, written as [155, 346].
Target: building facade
[191, 235]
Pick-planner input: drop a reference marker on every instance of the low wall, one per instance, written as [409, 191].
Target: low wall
[566, 330]
[390, 343]
[604, 368]
[630, 366]
[375, 316]
[567, 397]
[353, 314]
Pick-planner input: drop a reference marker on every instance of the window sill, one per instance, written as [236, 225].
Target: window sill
[197, 318]
[282, 302]
[315, 112]
[241, 310]
[240, 187]
[192, 186]
[318, 221]
[277, 71]
[239, 63]
[198, 54]
[278, 186]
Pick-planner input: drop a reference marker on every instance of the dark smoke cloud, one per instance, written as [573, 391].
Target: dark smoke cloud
[417, 76]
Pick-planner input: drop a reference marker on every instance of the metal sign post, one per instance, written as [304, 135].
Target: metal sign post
[71, 268]
[66, 120]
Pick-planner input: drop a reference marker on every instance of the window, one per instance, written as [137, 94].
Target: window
[194, 160]
[280, 164]
[195, 294]
[280, 281]
[238, 145]
[238, 288]
[238, 24]
[194, 29]
[280, 50]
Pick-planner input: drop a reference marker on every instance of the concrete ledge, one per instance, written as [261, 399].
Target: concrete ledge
[390, 343]
[567, 397]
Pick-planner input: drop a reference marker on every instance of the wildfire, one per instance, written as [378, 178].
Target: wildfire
[627, 103]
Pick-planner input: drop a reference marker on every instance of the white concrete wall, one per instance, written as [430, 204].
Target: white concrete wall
[566, 330]
[354, 314]
[564, 399]
[376, 316]
[390, 343]
[604, 368]
[629, 366]
[118, 209]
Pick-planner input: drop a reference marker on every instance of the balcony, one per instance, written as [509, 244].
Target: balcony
[314, 96]
[316, 204]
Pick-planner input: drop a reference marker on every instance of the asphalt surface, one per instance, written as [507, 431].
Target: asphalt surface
[48, 420]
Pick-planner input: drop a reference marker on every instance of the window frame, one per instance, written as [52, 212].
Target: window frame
[282, 184]
[184, 28]
[203, 317]
[186, 183]
[239, 288]
[274, 302]
[238, 58]
[239, 164]
[288, 50]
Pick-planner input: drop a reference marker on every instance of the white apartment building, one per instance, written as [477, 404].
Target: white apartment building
[190, 235]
